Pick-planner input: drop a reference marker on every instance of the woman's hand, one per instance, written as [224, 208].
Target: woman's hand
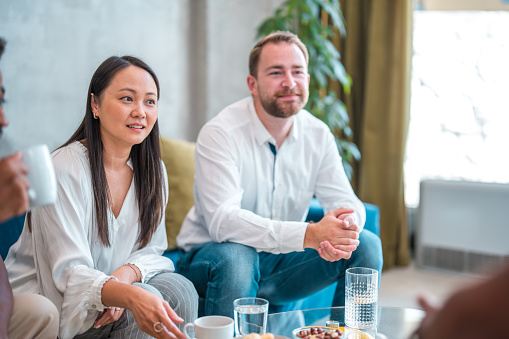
[127, 274]
[148, 309]
[109, 315]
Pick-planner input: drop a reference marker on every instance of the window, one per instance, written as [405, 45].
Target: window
[459, 116]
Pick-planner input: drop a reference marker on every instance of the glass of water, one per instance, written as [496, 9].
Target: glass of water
[361, 298]
[250, 315]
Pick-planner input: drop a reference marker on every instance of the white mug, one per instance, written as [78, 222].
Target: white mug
[211, 327]
[41, 176]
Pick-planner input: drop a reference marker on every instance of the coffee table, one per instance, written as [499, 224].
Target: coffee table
[393, 322]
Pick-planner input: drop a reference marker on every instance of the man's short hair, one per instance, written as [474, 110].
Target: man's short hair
[275, 37]
[2, 46]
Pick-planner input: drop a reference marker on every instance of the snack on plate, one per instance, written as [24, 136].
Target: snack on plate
[257, 336]
[319, 333]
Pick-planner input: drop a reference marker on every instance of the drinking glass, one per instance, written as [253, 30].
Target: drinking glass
[250, 315]
[361, 298]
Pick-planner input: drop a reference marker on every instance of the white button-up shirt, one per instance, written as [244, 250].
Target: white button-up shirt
[63, 257]
[245, 194]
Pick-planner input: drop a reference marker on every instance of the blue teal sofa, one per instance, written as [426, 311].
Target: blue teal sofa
[11, 230]
[322, 298]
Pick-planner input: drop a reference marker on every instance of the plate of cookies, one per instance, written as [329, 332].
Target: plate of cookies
[324, 332]
[263, 336]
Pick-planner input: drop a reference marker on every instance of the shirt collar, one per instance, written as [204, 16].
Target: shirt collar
[262, 135]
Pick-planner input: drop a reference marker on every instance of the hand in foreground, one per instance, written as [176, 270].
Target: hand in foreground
[13, 187]
[427, 323]
[335, 237]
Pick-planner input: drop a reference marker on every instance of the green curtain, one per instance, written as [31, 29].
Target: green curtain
[377, 54]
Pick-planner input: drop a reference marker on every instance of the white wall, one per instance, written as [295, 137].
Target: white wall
[198, 49]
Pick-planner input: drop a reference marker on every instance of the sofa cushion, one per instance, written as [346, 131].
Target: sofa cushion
[178, 157]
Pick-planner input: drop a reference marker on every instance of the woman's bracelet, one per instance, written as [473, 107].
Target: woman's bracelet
[135, 272]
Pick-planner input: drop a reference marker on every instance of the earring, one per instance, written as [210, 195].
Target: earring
[95, 117]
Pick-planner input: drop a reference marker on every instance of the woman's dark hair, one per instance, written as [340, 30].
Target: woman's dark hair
[145, 157]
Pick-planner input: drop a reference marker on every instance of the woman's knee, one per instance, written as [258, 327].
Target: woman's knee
[149, 288]
[179, 292]
[173, 286]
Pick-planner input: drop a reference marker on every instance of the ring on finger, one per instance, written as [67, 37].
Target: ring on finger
[117, 308]
[160, 328]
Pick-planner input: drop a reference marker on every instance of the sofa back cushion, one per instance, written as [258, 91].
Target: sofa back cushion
[178, 157]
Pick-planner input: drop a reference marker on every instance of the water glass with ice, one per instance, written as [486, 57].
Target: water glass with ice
[361, 296]
[250, 315]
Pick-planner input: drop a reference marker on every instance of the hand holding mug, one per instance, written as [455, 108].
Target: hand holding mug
[13, 186]
[41, 176]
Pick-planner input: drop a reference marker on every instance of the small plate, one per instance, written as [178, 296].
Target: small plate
[280, 337]
[275, 337]
[299, 330]
[349, 333]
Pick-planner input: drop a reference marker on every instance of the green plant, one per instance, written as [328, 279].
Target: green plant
[303, 17]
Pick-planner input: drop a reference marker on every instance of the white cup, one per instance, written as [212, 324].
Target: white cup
[211, 327]
[41, 176]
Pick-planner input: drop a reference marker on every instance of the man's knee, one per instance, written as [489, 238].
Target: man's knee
[236, 262]
[369, 252]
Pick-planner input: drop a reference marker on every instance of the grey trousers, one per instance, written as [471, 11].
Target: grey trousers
[33, 316]
[172, 287]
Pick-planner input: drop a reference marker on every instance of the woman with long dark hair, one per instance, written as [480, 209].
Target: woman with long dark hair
[97, 254]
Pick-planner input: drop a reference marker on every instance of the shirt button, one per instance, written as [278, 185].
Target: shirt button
[94, 306]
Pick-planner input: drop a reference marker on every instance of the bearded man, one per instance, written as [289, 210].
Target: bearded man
[258, 164]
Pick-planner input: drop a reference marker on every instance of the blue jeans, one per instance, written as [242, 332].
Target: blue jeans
[223, 272]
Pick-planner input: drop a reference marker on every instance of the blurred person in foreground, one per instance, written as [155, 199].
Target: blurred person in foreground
[97, 252]
[479, 311]
[258, 164]
[25, 315]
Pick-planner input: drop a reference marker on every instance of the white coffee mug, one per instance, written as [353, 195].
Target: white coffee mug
[41, 176]
[211, 327]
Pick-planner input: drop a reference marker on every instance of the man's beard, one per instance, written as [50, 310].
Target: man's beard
[281, 109]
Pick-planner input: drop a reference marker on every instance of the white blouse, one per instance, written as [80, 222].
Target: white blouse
[64, 259]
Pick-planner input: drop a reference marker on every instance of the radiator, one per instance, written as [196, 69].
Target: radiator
[463, 226]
